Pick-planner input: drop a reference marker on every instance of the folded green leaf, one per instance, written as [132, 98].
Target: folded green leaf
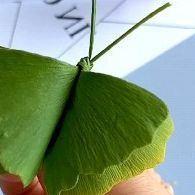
[109, 122]
[33, 92]
[139, 160]
[101, 129]
[88, 131]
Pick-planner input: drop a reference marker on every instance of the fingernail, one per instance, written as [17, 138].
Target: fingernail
[169, 188]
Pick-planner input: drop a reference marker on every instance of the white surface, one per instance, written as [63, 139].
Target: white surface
[171, 77]
[44, 33]
[38, 30]
[142, 46]
[180, 14]
[8, 14]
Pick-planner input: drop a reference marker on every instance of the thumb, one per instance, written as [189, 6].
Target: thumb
[11, 185]
[148, 183]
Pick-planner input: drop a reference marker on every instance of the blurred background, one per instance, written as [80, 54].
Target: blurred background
[159, 56]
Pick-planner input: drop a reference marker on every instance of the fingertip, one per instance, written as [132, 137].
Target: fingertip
[41, 180]
[148, 183]
[35, 189]
[11, 185]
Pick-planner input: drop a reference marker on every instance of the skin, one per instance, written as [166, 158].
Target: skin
[148, 183]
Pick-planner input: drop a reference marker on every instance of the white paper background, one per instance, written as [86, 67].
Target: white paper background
[159, 56]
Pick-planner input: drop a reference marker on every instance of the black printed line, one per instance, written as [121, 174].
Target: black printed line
[15, 24]
[106, 16]
[151, 25]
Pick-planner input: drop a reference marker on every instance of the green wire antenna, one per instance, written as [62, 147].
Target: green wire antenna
[93, 18]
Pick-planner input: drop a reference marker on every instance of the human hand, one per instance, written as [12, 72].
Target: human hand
[148, 183]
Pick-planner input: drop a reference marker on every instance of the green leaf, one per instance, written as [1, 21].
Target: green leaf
[33, 92]
[112, 130]
[90, 131]
[138, 161]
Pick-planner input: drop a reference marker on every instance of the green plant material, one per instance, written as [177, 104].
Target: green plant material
[87, 131]
[33, 92]
[109, 122]
[138, 161]
[93, 20]
[151, 15]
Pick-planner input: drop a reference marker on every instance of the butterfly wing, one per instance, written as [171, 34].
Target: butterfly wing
[33, 92]
[112, 130]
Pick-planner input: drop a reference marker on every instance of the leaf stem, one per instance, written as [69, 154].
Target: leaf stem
[130, 31]
[93, 23]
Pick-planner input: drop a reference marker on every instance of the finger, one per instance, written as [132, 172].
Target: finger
[148, 183]
[41, 180]
[11, 185]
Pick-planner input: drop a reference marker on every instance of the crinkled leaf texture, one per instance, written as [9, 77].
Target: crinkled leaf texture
[88, 131]
[33, 92]
[112, 130]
